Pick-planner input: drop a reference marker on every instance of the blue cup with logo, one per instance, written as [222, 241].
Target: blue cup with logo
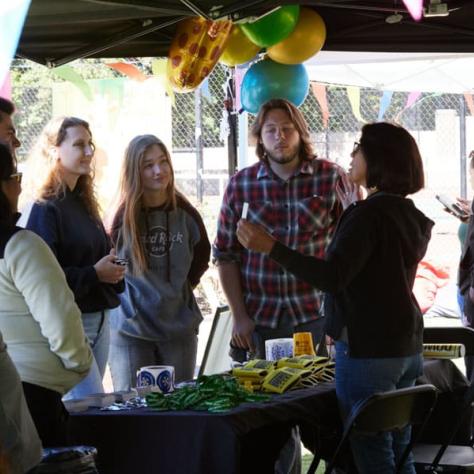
[156, 378]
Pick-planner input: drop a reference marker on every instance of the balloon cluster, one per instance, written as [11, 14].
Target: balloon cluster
[290, 35]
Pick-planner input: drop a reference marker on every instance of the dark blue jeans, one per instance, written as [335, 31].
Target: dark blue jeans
[357, 379]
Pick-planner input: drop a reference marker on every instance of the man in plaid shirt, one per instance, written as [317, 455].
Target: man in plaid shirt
[293, 195]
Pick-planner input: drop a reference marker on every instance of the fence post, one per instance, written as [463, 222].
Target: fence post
[232, 119]
[198, 143]
[462, 145]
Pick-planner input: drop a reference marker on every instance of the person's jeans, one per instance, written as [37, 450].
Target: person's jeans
[128, 354]
[96, 327]
[357, 379]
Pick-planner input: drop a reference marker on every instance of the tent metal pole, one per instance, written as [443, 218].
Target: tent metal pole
[462, 145]
[232, 120]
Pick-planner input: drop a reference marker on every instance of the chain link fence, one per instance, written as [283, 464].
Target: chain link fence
[439, 122]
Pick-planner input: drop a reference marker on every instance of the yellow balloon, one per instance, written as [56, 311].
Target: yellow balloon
[239, 49]
[303, 42]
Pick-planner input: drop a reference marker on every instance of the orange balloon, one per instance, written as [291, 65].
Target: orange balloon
[197, 45]
[304, 41]
[239, 49]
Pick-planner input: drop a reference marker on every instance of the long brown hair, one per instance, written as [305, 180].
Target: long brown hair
[131, 194]
[43, 179]
[306, 152]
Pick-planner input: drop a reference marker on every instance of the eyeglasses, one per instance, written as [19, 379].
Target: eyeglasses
[16, 176]
[356, 147]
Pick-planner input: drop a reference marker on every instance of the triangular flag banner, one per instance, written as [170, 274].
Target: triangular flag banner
[415, 8]
[158, 68]
[411, 99]
[12, 17]
[319, 91]
[128, 70]
[6, 89]
[384, 104]
[469, 102]
[353, 93]
[69, 74]
[239, 73]
[205, 91]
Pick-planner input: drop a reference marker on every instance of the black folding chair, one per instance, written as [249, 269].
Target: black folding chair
[390, 411]
[447, 457]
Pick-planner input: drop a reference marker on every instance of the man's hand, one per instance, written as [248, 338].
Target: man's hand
[254, 237]
[242, 333]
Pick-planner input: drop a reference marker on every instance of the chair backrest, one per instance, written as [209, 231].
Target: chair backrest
[450, 335]
[216, 357]
[389, 411]
[393, 410]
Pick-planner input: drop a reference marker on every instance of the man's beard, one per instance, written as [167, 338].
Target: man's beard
[288, 157]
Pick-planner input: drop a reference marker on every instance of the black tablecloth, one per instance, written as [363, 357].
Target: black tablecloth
[244, 440]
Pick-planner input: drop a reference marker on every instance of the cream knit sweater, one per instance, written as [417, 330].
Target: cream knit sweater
[39, 320]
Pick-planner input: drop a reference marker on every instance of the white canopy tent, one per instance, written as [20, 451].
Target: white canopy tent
[403, 72]
[426, 72]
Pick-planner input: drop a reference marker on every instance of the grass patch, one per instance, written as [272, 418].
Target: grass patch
[306, 462]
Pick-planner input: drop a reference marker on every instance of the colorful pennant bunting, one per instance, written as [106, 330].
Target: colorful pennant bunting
[319, 91]
[12, 17]
[384, 104]
[353, 93]
[69, 74]
[415, 8]
[6, 89]
[158, 68]
[128, 70]
[469, 102]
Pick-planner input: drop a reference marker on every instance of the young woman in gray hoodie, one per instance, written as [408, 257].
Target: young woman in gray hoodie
[163, 239]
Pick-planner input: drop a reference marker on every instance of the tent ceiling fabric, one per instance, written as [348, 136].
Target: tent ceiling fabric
[59, 31]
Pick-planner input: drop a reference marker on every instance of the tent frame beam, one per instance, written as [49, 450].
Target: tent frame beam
[148, 26]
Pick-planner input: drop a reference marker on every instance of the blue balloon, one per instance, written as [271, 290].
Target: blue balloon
[268, 79]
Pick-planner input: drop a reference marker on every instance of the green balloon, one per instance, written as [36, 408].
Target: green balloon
[272, 28]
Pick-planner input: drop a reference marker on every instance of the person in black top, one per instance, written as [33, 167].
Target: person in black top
[466, 268]
[66, 215]
[368, 275]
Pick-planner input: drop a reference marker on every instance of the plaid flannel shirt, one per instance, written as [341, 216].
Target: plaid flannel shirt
[301, 212]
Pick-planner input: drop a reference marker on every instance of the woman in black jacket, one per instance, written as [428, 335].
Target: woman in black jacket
[368, 276]
[66, 215]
